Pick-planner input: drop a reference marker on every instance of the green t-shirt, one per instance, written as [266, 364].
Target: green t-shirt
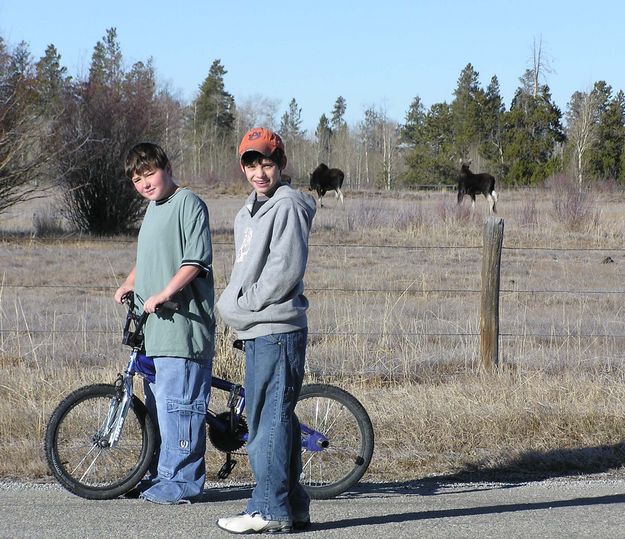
[175, 232]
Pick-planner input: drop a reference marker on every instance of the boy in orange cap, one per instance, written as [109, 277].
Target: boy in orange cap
[265, 303]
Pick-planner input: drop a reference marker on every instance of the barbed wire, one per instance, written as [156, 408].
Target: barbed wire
[344, 245]
[407, 290]
[405, 334]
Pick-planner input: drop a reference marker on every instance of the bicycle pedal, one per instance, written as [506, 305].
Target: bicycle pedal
[226, 469]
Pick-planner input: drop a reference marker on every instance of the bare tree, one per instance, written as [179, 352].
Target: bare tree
[583, 127]
[256, 111]
[541, 64]
[28, 150]
[389, 132]
[22, 168]
[112, 110]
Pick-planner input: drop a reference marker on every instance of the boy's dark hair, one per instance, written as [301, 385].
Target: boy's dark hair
[277, 156]
[143, 157]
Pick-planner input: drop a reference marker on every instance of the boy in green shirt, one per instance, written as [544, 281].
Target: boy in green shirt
[173, 263]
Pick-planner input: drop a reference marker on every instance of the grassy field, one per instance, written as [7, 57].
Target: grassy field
[394, 288]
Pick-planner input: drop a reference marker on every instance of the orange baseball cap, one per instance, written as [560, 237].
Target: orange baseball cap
[260, 140]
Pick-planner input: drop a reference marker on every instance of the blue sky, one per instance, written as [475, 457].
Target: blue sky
[380, 53]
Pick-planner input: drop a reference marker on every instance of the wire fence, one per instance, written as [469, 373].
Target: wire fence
[389, 290]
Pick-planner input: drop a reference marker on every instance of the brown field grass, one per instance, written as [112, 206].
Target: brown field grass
[394, 288]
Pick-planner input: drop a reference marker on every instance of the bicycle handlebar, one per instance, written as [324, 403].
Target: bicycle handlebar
[169, 305]
[129, 299]
[135, 338]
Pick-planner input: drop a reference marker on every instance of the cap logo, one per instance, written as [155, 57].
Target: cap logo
[254, 135]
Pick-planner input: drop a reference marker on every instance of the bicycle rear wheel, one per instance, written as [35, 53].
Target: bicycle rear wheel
[78, 458]
[340, 462]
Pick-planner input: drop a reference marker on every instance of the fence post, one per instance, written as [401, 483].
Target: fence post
[489, 312]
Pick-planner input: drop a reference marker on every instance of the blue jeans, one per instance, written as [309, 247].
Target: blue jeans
[274, 371]
[178, 400]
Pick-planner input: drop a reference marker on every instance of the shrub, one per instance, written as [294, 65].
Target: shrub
[46, 222]
[573, 206]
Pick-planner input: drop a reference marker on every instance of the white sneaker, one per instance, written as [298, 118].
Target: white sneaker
[245, 523]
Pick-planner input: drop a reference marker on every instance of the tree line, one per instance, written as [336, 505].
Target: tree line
[59, 130]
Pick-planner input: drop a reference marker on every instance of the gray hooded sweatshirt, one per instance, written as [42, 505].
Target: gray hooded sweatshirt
[265, 294]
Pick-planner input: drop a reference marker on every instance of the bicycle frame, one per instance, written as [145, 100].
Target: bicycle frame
[312, 440]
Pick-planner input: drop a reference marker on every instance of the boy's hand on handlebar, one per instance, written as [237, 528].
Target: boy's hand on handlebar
[121, 292]
[152, 304]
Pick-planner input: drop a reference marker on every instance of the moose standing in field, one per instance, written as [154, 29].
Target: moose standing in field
[325, 179]
[473, 184]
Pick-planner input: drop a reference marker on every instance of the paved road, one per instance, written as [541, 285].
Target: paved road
[430, 508]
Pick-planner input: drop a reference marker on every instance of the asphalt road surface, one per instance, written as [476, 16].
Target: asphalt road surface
[563, 507]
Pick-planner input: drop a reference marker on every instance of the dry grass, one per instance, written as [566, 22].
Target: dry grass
[394, 319]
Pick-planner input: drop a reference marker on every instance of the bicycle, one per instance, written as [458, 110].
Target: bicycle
[100, 439]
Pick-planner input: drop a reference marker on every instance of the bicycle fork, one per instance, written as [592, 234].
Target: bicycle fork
[118, 409]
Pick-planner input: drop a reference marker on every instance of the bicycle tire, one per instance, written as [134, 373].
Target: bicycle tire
[343, 420]
[83, 467]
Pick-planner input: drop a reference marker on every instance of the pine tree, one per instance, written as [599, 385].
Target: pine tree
[52, 79]
[411, 132]
[432, 158]
[605, 157]
[291, 122]
[338, 114]
[214, 107]
[466, 107]
[492, 119]
[106, 61]
[323, 134]
[532, 134]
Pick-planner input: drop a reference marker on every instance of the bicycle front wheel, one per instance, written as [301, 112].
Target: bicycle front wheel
[77, 455]
[343, 452]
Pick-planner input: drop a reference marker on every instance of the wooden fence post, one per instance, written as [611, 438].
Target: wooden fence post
[489, 312]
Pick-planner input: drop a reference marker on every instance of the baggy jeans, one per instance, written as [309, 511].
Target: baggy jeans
[273, 380]
[178, 399]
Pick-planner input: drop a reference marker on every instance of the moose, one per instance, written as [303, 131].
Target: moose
[472, 184]
[324, 179]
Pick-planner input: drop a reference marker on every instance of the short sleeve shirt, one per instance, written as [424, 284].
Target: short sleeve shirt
[175, 232]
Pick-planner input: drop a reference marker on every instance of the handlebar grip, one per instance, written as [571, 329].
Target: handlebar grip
[169, 305]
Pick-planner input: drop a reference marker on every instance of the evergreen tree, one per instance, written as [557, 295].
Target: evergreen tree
[492, 118]
[605, 157]
[214, 107]
[432, 159]
[20, 65]
[291, 122]
[106, 61]
[323, 134]
[20, 78]
[532, 135]
[466, 107]
[52, 78]
[411, 132]
[338, 114]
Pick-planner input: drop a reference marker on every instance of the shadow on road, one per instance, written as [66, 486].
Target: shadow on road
[469, 511]
[224, 494]
[541, 465]
[527, 467]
